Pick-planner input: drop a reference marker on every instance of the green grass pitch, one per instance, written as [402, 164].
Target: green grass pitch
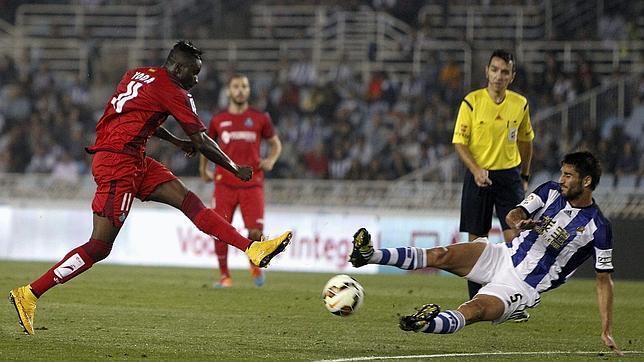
[149, 313]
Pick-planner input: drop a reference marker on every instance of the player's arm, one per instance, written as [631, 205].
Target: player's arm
[274, 151]
[204, 172]
[525, 150]
[461, 140]
[605, 302]
[186, 145]
[526, 135]
[211, 150]
[518, 219]
[480, 174]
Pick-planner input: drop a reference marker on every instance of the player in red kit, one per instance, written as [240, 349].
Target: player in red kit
[143, 100]
[239, 131]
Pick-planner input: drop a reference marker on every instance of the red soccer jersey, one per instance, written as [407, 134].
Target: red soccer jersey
[240, 136]
[143, 100]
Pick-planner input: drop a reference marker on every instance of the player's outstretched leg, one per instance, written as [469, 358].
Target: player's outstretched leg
[260, 253]
[408, 258]
[430, 319]
[24, 300]
[362, 248]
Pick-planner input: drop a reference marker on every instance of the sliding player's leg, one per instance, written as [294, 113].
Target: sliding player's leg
[430, 319]
[504, 294]
[457, 258]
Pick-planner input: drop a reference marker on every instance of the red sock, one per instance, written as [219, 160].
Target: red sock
[72, 265]
[221, 249]
[211, 223]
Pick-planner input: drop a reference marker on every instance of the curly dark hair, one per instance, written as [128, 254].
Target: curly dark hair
[184, 48]
[586, 164]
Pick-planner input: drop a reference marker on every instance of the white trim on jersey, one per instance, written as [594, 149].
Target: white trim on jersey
[548, 255]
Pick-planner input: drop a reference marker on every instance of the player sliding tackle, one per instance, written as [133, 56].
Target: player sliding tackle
[143, 100]
[561, 226]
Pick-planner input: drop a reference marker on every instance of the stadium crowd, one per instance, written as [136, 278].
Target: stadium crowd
[333, 124]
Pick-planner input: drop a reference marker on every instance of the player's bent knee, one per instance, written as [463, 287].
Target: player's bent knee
[482, 308]
[439, 257]
[97, 250]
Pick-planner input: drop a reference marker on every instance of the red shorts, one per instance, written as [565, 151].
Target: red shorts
[120, 178]
[250, 200]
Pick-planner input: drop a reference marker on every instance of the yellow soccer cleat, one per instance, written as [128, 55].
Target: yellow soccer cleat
[25, 302]
[260, 253]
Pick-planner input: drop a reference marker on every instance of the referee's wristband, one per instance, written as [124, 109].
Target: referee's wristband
[525, 177]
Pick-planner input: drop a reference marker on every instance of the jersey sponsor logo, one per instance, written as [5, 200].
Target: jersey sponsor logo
[226, 124]
[552, 234]
[568, 212]
[247, 136]
[248, 123]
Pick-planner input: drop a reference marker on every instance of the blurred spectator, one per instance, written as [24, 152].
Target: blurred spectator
[340, 121]
[65, 170]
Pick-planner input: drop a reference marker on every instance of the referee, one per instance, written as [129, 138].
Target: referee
[493, 137]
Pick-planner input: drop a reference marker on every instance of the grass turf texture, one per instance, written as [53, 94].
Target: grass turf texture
[126, 312]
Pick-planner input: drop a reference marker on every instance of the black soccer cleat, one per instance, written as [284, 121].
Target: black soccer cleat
[362, 248]
[417, 321]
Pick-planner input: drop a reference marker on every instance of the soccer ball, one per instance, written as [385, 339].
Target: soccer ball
[342, 295]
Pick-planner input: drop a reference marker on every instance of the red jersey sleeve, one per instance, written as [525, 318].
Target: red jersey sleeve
[181, 106]
[212, 127]
[268, 131]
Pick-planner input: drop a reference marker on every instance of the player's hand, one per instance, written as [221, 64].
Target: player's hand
[524, 183]
[188, 147]
[266, 164]
[482, 178]
[527, 224]
[244, 173]
[207, 175]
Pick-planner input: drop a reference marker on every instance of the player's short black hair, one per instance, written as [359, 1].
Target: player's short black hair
[505, 55]
[183, 47]
[586, 164]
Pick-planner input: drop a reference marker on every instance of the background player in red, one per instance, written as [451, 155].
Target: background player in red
[143, 100]
[239, 131]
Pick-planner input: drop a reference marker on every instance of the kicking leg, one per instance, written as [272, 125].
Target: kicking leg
[175, 194]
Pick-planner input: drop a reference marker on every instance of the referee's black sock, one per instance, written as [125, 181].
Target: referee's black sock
[473, 288]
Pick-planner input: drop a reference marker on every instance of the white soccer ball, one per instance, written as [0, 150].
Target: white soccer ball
[342, 295]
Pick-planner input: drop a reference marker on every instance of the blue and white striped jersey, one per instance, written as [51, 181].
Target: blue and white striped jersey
[546, 256]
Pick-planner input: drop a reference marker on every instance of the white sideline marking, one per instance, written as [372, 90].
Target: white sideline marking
[443, 355]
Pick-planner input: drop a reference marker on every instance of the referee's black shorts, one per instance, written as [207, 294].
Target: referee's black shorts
[477, 203]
